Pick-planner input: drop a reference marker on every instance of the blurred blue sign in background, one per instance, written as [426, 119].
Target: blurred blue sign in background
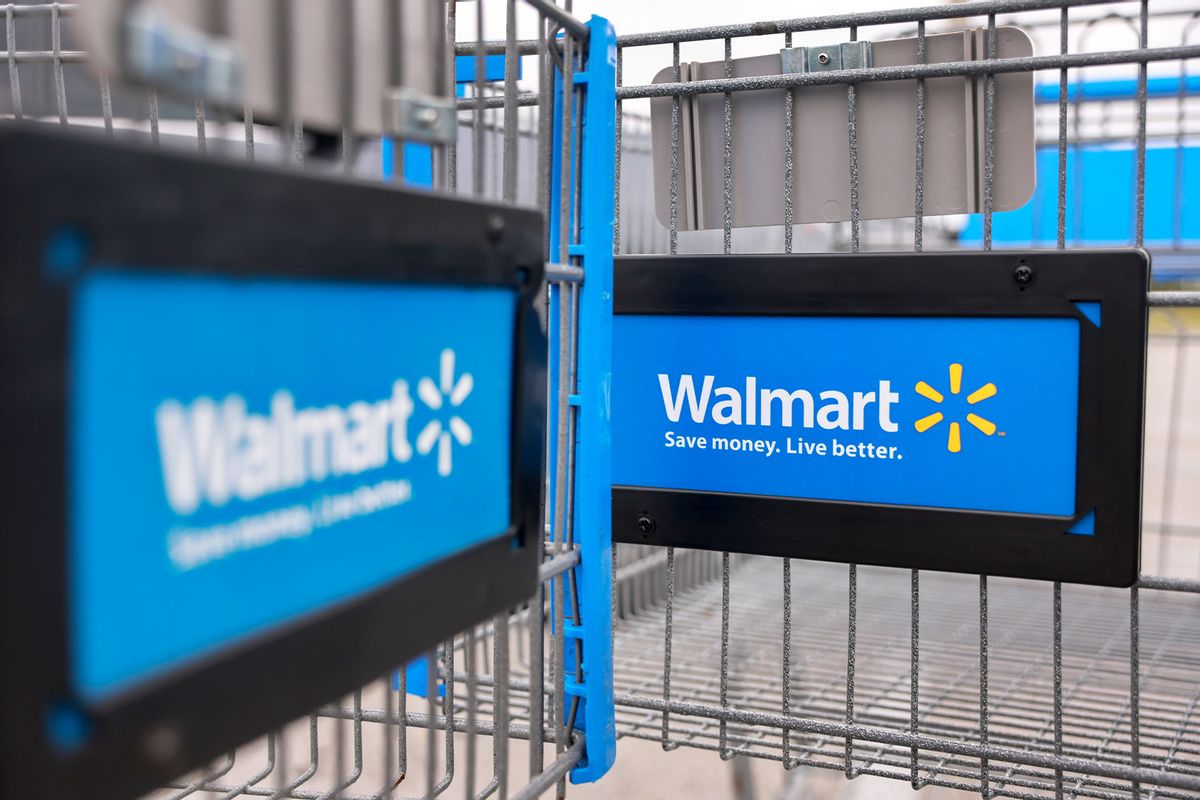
[1100, 200]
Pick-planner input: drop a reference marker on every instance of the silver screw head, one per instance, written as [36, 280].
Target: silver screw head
[426, 116]
[823, 58]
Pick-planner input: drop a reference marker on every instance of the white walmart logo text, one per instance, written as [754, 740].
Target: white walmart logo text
[213, 451]
[749, 405]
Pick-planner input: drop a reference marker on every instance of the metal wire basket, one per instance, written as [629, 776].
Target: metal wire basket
[998, 686]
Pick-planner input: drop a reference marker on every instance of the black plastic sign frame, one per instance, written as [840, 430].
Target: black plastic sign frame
[170, 213]
[953, 284]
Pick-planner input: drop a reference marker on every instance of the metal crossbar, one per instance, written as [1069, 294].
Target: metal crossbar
[978, 8]
[1002, 687]
[947, 69]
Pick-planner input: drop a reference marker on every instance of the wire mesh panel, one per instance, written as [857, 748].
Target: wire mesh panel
[998, 686]
[487, 713]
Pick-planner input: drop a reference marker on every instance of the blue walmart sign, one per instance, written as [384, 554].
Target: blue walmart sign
[954, 413]
[248, 452]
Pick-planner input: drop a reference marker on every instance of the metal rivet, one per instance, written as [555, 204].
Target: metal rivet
[426, 117]
[645, 524]
[163, 744]
[494, 226]
[823, 58]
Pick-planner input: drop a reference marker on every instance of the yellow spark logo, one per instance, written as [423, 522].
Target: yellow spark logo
[954, 438]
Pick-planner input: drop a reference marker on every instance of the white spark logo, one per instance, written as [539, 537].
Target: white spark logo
[435, 397]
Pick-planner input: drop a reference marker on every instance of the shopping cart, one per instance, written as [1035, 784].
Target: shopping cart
[996, 686]
[1003, 687]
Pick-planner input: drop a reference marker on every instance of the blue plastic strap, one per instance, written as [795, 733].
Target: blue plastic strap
[593, 458]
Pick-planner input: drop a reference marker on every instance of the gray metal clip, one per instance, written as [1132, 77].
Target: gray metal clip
[847, 55]
[164, 53]
[418, 117]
